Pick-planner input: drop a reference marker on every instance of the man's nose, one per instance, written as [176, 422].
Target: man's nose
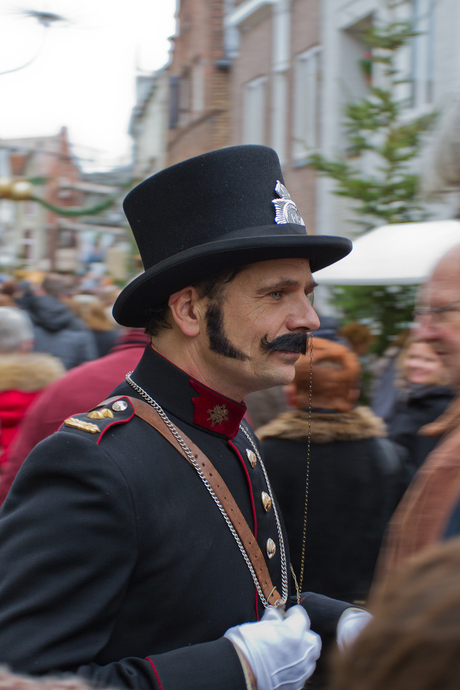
[426, 329]
[303, 317]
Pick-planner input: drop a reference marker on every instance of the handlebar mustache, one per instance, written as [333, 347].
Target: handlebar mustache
[289, 342]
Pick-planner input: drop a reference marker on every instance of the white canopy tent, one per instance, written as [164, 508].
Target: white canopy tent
[394, 254]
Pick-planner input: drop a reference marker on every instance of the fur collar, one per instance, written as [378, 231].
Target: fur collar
[326, 427]
[29, 372]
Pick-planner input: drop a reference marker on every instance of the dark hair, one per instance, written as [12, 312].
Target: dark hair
[211, 288]
[357, 334]
[413, 640]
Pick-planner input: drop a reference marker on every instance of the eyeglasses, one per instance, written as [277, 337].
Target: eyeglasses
[436, 312]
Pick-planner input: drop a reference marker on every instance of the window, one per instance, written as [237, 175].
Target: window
[28, 244]
[173, 101]
[179, 100]
[279, 114]
[422, 58]
[307, 78]
[198, 88]
[30, 208]
[281, 55]
[66, 239]
[254, 112]
[184, 98]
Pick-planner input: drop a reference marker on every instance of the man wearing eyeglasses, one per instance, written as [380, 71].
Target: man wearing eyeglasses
[424, 514]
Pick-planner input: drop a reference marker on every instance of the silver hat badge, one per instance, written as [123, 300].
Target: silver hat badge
[286, 210]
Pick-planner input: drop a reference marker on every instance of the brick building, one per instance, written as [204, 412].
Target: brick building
[33, 236]
[430, 65]
[30, 232]
[199, 81]
[149, 123]
[276, 87]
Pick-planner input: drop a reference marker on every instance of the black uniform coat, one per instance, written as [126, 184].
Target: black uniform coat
[417, 406]
[112, 549]
[353, 479]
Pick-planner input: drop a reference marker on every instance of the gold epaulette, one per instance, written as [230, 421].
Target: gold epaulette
[120, 410]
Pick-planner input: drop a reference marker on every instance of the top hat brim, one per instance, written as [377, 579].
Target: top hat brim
[197, 263]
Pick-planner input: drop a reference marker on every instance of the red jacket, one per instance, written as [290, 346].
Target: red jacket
[77, 391]
[22, 378]
[13, 406]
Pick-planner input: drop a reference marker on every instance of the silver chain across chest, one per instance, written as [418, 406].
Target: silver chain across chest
[188, 452]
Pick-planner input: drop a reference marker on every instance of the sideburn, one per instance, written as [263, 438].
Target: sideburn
[218, 341]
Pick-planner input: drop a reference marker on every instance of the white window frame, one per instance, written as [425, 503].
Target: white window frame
[422, 54]
[197, 87]
[184, 98]
[306, 111]
[254, 110]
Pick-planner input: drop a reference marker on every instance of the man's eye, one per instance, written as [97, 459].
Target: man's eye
[276, 294]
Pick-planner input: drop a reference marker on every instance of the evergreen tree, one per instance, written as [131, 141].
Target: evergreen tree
[374, 128]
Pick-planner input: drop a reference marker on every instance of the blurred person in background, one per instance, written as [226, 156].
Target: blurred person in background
[107, 295]
[57, 330]
[263, 406]
[413, 641]
[13, 681]
[104, 329]
[6, 301]
[78, 390]
[13, 289]
[360, 339]
[425, 511]
[384, 392]
[353, 474]
[329, 328]
[358, 336]
[23, 374]
[423, 395]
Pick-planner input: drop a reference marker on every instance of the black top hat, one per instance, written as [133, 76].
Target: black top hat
[209, 214]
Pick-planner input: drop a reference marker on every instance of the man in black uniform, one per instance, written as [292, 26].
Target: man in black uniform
[117, 559]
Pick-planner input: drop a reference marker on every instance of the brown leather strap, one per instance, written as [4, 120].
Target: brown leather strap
[146, 412]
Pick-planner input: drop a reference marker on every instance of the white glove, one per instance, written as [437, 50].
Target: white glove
[351, 622]
[281, 649]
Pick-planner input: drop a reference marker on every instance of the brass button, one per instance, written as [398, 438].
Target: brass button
[100, 414]
[266, 501]
[120, 406]
[271, 548]
[252, 457]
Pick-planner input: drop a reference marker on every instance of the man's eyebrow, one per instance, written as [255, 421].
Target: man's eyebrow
[282, 283]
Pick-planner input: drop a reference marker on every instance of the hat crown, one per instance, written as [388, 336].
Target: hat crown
[211, 213]
[205, 199]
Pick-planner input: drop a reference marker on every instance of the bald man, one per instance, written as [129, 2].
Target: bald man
[424, 514]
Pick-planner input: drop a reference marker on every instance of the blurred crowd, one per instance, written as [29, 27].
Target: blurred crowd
[61, 352]
[53, 334]
[339, 468]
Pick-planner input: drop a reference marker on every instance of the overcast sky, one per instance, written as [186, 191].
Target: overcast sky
[84, 74]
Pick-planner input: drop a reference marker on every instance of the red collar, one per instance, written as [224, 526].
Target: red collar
[215, 412]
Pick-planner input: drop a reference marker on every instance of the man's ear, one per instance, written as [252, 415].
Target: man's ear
[187, 310]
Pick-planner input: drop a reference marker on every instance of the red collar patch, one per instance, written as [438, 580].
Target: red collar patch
[216, 413]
